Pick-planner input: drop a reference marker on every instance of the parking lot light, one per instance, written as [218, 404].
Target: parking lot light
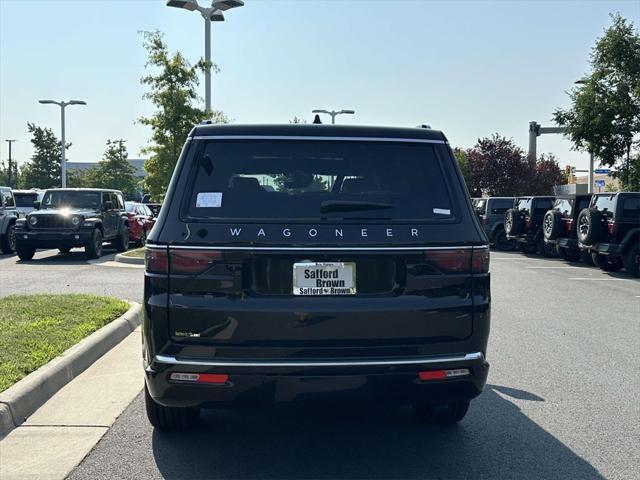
[62, 105]
[209, 14]
[334, 113]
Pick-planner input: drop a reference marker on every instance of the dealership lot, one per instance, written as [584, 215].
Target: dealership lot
[561, 399]
[51, 272]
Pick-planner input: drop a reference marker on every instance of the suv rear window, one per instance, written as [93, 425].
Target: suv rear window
[564, 206]
[605, 203]
[500, 206]
[311, 180]
[25, 199]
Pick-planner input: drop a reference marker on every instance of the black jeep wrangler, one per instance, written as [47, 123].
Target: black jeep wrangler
[609, 230]
[69, 218]
[315, 263]
[559, 227]
[523, 223]
[8, 217]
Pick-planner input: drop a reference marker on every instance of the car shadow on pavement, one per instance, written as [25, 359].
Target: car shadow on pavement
[495, 440]
[74, 257]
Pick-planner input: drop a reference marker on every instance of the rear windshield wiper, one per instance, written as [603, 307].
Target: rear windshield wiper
[350, 206]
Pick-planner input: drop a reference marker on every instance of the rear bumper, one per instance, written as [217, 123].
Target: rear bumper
[54, 239]
[604, 248]
[388, 380]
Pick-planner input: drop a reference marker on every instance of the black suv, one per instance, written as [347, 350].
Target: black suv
[491, 212]
[523, 223]
[610, 231]
[68, 218]
[8, 217]
[315, 263]
[559, 227]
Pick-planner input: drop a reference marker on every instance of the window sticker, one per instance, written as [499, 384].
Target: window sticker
[442, 211]
[209, 200]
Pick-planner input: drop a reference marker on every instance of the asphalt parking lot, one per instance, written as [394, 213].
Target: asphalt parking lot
[53, 272]
[561, 403]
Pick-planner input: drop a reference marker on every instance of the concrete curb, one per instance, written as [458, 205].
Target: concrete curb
[26, 396]
[131, 260]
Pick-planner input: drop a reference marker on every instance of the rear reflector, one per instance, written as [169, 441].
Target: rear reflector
[442, 374]
[611, 228]
[480, 260]
[216, 378]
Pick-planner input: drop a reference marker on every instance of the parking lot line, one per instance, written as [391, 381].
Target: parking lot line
[602, 279]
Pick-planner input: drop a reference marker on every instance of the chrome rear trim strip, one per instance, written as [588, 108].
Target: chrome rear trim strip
[315, 249]
[171, 360]
[307, 137]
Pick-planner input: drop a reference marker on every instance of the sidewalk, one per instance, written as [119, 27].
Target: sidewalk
[60, 433]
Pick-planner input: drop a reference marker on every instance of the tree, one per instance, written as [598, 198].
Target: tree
[172, 90]
[463, 162]
[604, 117]
[547, 175]
[10, 178]
[498, 167]
[113, 171]
[43, 170]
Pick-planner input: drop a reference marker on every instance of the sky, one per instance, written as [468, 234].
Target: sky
[468, 68]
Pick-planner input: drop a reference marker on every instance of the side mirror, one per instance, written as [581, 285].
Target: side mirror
[36, 204]
[108, 205]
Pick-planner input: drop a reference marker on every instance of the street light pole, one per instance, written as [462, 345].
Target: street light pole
[63, 162]
[9, 141]
[334, 113]
[211, 14]
[207, 70]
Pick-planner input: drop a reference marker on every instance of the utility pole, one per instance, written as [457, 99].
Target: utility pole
[10, 172]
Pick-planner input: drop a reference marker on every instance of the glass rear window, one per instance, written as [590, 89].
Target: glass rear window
[605, 203]
[312, 180]
[25, 199]
[564, 206]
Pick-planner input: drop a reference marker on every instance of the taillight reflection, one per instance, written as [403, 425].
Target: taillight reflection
[459, 260]
[192, 262]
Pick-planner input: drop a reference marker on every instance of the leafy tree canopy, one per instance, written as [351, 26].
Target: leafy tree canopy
[172, 90]
[43, 170]
[604, 116]
[114, 170]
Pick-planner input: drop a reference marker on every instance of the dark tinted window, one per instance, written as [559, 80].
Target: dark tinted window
[541, 206]
[25, 199]
[583, 203]
[500, 206]
[70, 199]
[631, 209]
[273, 179]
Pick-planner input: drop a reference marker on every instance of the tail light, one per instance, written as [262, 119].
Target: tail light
[192, 262]
[156, 261]
[611, 227]
[528, 222]
[459, 260]
[568, 225]
[442, 374]
[485, 220]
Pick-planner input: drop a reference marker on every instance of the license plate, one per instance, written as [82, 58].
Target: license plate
[324, 278]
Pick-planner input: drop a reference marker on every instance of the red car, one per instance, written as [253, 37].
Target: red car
[141, 221]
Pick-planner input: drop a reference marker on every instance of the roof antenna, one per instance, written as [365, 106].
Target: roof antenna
[317, 120]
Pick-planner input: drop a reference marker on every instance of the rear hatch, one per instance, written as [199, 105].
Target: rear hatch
[303, 243]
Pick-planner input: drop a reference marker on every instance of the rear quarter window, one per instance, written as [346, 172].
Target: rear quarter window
[304, 180]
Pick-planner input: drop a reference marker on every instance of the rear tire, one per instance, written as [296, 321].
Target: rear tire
[444, 414]
[590, 226]
[8, 240]
[169, 418]
[631, 260]
[121, 243]
[586, 258]
[607, 262]
[552, 224]
[143, 238]
[25, 253]
[93, 247]
[512, 222]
